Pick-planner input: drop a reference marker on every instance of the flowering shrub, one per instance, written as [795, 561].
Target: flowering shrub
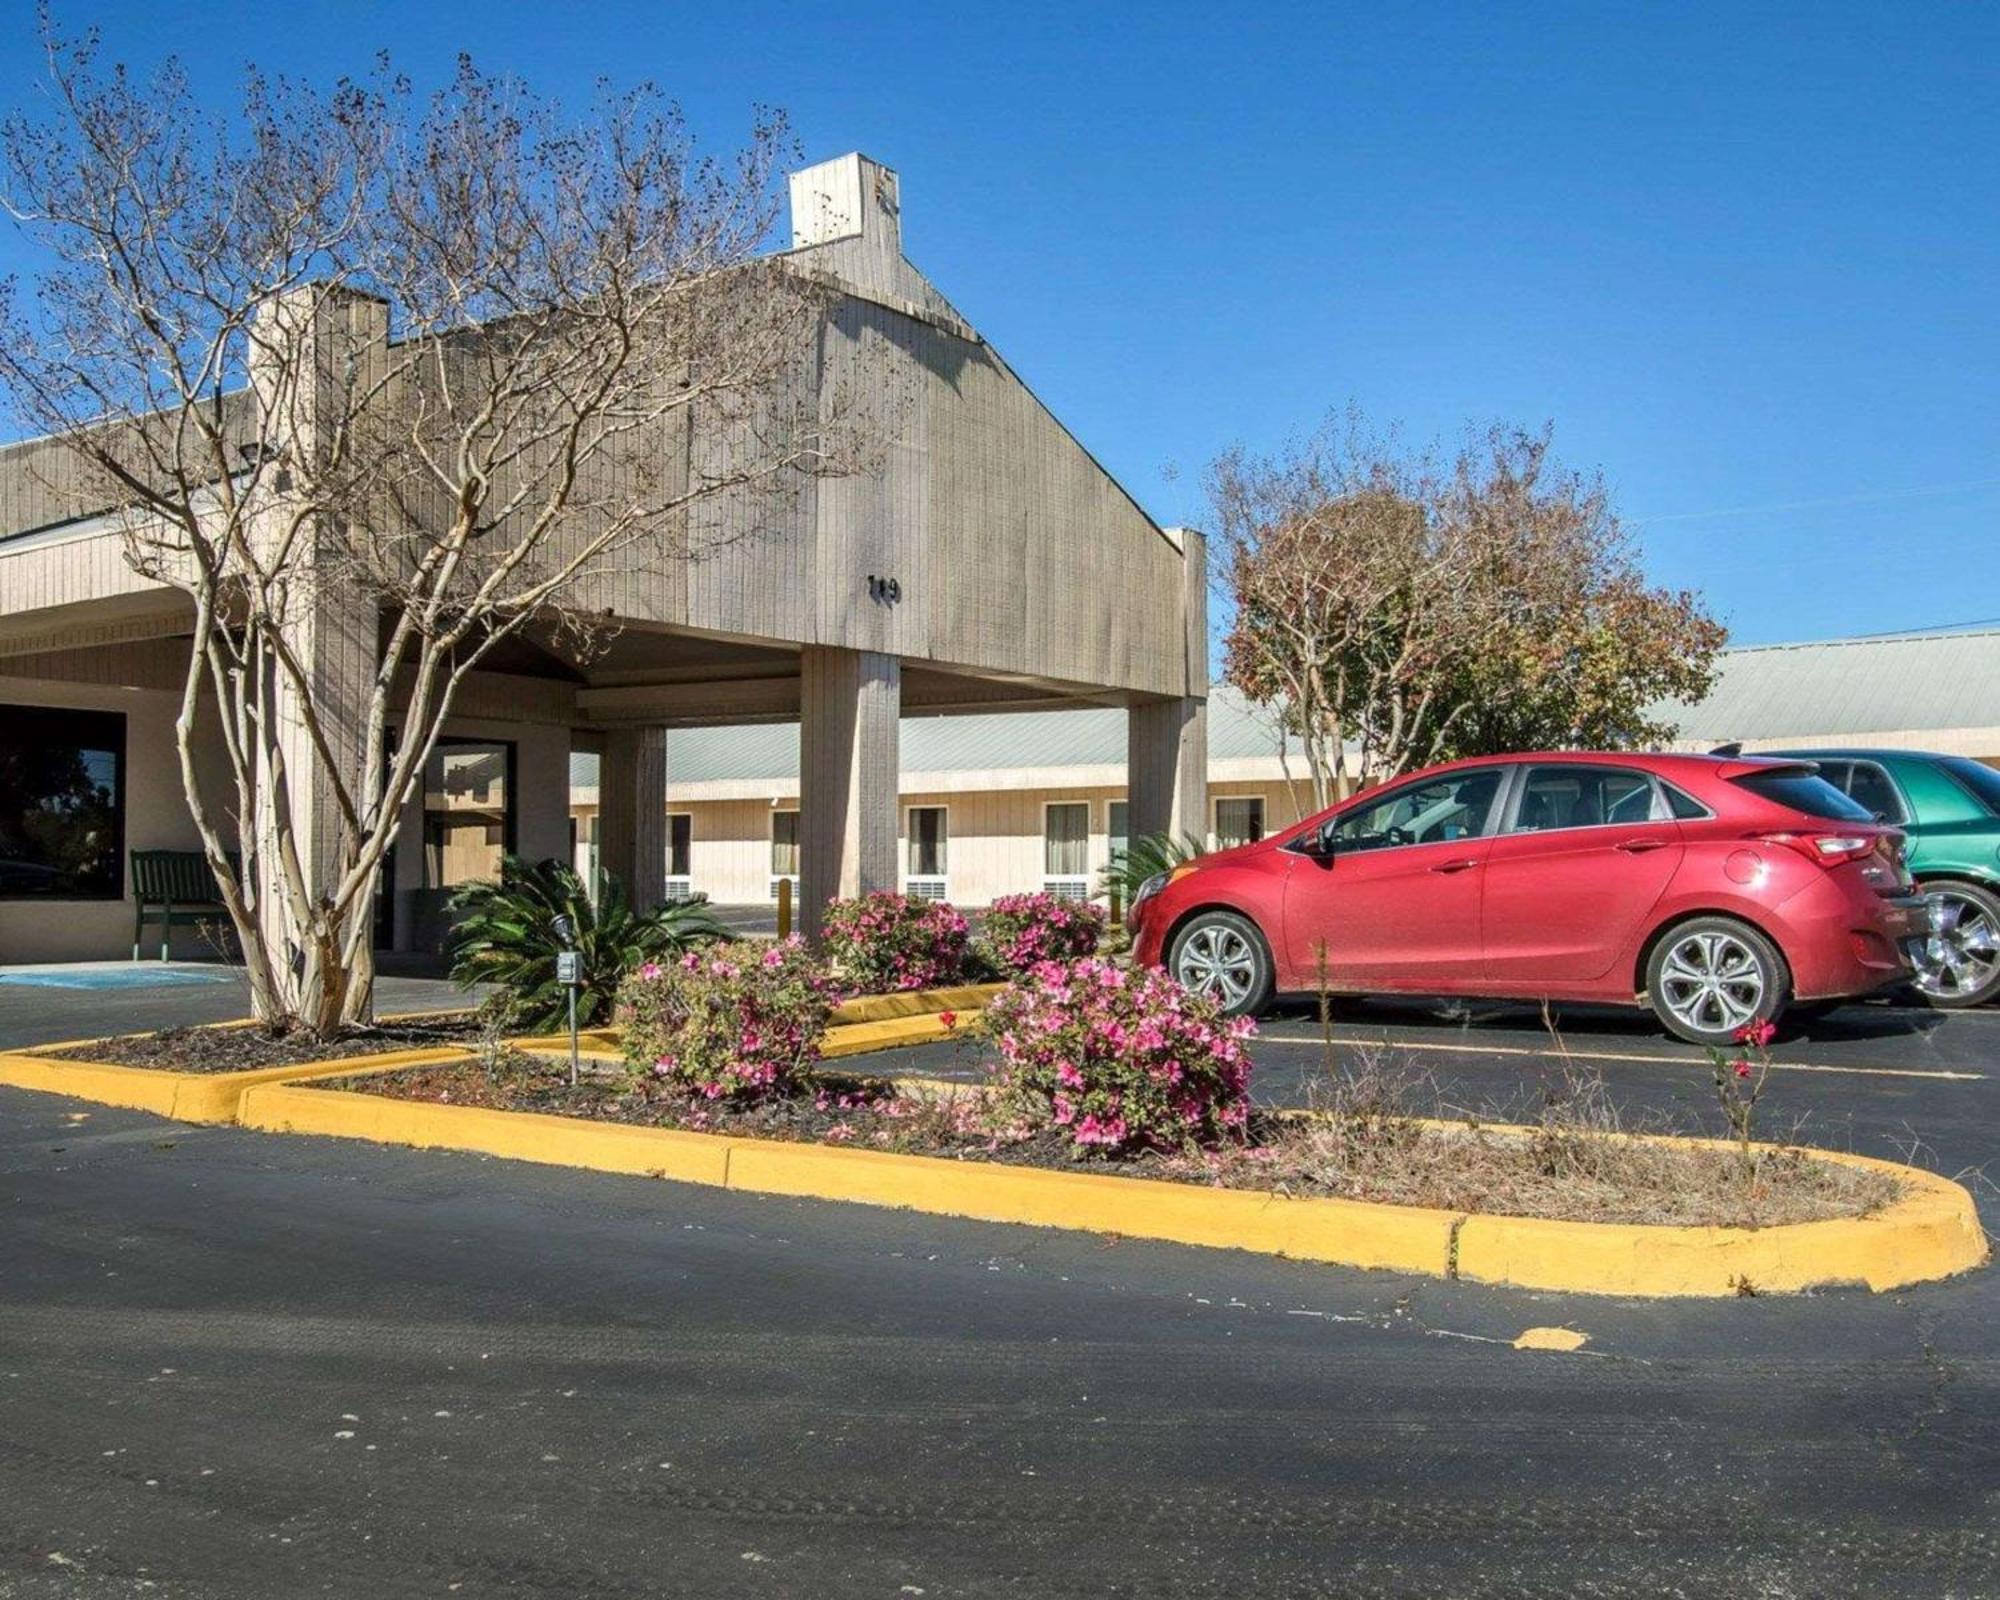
[1118, 1059]
[733, 1023]
[1739, 1084]
[886, 942]
[1024, 930]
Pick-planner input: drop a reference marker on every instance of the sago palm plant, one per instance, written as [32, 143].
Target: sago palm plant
[505, 935]
[1144, 857]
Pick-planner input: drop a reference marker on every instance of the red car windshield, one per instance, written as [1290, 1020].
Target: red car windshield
[1799, 789]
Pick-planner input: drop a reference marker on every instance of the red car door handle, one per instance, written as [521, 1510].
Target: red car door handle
[1455, 866]
[1638, 847]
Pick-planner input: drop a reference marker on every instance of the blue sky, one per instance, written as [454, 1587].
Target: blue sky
[1746, 258]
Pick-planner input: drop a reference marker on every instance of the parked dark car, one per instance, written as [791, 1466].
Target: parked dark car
[1716, 891]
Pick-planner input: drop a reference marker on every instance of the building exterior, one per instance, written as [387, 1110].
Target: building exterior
[989, 805]
[987, 564]
[994, 805]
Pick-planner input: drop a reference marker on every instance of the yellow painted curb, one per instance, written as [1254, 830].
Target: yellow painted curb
[518, 1135]
[848, 1035]
[596, 1041]
[1932, 1232]
[189, 1096]
[862, 1038]
[1401, 1238]
[915, 1002]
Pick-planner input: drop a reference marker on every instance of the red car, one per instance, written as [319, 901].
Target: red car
[1717, 891]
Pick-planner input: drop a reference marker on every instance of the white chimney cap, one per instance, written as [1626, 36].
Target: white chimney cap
[845, 198]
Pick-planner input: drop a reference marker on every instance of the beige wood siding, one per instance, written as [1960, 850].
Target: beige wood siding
[995, 845]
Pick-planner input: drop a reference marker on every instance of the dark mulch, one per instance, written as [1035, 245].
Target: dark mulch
[248, 1049]
[524, 1082]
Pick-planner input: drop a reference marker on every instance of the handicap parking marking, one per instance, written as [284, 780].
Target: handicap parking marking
[1623, 1057]
[108, 978]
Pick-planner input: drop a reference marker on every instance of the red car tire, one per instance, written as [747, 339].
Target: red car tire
[1223, 956]
[1709, 977]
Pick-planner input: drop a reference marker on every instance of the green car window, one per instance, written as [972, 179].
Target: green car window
[1871, 789]
[1977, 779]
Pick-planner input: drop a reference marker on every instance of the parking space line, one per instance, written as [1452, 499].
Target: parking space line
[1630, 1056]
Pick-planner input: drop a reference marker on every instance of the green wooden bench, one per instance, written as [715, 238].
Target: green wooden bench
[174, 886]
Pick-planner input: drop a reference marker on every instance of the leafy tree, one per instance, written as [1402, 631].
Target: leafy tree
[1398, 610]
[1573, 646]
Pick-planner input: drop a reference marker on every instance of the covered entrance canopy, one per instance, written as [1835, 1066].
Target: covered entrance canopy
[985, 563]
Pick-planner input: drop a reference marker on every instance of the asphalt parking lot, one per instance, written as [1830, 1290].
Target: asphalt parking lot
[244, 1365]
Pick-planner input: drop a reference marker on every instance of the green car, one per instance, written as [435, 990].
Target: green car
[1949, 809]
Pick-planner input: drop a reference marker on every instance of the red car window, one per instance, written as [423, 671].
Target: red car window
[1457, 805]
[1583, 797]
[1800, 790]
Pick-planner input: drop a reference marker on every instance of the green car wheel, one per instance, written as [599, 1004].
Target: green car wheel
[1947, 808]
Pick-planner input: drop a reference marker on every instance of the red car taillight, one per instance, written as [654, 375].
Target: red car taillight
[1828, 849]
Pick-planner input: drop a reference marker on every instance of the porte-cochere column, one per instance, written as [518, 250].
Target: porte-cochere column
[850, 703]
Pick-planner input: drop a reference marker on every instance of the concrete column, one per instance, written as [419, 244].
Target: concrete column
[1166, 741]
[851, 702]
[409, 932]
[1166, 767]
[632, 813]
[541, 807]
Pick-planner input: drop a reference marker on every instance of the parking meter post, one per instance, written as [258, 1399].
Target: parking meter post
[569, 973]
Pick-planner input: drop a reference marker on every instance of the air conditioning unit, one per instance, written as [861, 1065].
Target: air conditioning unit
[924, 888]
[680, 889]
[1067, 888]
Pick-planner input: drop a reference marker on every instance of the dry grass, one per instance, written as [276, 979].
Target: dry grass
[1381, 1131]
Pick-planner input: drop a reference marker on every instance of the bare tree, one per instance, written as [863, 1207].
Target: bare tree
[1345, 593]
[1398, 612]
[370, 375]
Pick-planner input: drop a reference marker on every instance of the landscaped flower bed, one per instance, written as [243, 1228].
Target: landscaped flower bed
[1454, 1167]
[1091, 1066]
